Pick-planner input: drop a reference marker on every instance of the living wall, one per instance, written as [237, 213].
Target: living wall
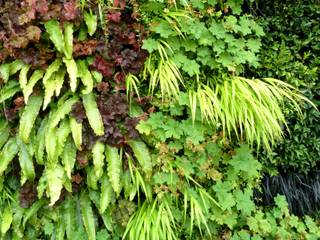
[156, 119]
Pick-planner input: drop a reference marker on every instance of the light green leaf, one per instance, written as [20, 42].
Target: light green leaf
[150, 45]
[93, 114]
[9, 90]
[68, 38]
[4, 133]
[51, 145]
[55, 177]
[141, 152]
[114, 168]
[35, 77]
[70, 216]
[92, 179]
[73, 72]
[91, 22]
[54, 67]
[62, 111]
[40, 141]
[106, 193]
[23, 76]
[6, 219]
[85, 76]
[29, 115]
[55, 34]
[15, 66]
[59, 81]
[25, 160]
[8, 152]
[68, 158]
[62, 134]
[87, 215]
[49, 88]
[98, 158]
[5, 72]
[76, 130]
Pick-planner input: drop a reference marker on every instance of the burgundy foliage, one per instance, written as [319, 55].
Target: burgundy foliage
[28, 194]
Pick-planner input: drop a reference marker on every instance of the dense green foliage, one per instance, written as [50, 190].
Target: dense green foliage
[291, 53]
[139, 119]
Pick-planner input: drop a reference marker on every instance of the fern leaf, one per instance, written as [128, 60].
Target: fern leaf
[62, 134]
[92, 179]
[40, 141]
[8, 152]
[54, 67]
[87, 215]
[72, 71]
[9, 90]
[55, 34]
[25, 160]
[16, 66]
[28, 117]
[93, 114]
[70, 216]
[59, 81]
[62, 111]
[97, 76]
[98, 158]
[51, 145]
[35, 77]
[91, 22]
[85, 76]
[76, 130]
[49, 90]
[55, 178]
[23, 76]
[60, 227]
[68, 158]
[141, 152]
[6, 219]
[114, 168]
[106, 193]
[68, 39]
[4, 132]
[5, 72]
